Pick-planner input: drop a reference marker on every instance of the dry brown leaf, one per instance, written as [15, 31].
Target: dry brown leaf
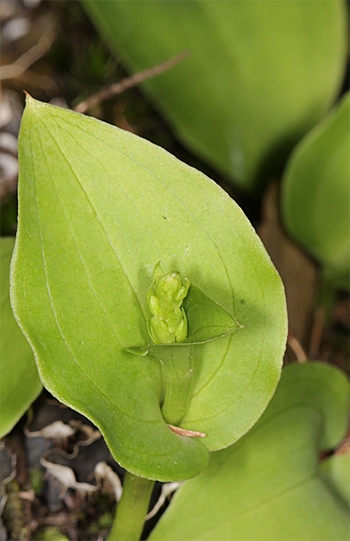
[57, 430]
[104, 473]
[299, 274]
[66, 476]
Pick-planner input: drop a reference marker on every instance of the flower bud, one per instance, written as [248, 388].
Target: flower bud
[169, 322]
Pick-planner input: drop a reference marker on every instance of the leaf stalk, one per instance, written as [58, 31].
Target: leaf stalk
[132, 509]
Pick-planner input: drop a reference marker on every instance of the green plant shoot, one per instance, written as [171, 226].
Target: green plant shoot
[169, 322]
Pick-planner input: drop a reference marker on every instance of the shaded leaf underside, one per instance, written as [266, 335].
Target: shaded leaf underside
[19, 382]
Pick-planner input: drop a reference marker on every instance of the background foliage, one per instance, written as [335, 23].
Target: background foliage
[249, 90]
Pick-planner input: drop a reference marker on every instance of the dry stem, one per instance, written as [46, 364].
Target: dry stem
[128, 82]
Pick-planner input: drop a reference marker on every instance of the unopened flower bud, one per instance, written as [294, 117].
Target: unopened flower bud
[169, 322]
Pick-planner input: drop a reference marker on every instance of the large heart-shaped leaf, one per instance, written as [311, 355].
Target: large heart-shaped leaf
[259, 74]
[99, 207]
[19, 380]
[316, 193]
[271, 485]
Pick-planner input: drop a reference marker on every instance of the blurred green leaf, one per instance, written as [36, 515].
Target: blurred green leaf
[271, 485]
[316, 193]
[49, 534]
[99, 207]
[19, 381]
[259, 74]
[336, 472]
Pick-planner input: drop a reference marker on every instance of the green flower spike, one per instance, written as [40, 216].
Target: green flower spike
[169, 322]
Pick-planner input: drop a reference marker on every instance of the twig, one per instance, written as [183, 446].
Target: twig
[297, 348]
[11, 71]
[129, 82]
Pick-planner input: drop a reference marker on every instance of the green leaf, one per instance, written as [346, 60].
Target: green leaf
[271, 485]
[258, 76]
[19, 381]
[207, 319]
[316, 193]
[98, 208]
[336, 472]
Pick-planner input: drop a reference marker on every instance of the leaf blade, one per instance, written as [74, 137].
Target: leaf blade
[19, 383]
[316, 193]
[271, 72]
[89, 239]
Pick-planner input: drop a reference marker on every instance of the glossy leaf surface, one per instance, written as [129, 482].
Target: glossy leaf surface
[258, 76]
[19, 380]
[99, 207]
[271, 484]
[316, 193]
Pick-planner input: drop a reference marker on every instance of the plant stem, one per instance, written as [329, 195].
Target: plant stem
[132, 509]
[177, 366]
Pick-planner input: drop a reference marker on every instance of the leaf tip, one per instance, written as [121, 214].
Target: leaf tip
[32, 102]
[29, 99]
